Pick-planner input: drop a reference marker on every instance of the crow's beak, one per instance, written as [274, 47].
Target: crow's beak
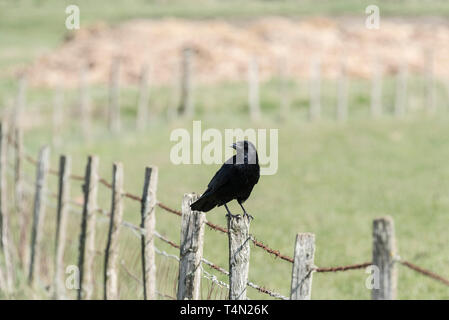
[233, 146]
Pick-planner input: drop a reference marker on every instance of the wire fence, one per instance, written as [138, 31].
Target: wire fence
[139, 231]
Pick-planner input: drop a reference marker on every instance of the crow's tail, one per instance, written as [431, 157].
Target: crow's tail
[204, 204]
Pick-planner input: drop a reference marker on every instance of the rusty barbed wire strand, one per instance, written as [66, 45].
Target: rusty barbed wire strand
[425, 272]
[225, 272]
[132, 196]
[343, 268]
[256, 242]
[76, 177]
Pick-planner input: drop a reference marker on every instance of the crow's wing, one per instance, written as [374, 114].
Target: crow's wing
[222, 176]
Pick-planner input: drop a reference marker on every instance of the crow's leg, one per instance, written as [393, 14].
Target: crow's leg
[229, 213]
[244, 211]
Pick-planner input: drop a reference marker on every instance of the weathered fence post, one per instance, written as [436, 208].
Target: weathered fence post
[87, 235]
[302, 271]
[144, 97]
[191, 250]
[384, 252]
[253, 92]
[84, 102]
[19, 197]
[186, 104]
[114, 96]
[148, 223]
[57, 119]
[430, 82]
[315, 90]
[376, 89]
[20, 100]
[342, 93]
[401, 91]
[61, 225]
[239, 250]
[38, 213]
[112, 246]
[284, 90]
[5, 234]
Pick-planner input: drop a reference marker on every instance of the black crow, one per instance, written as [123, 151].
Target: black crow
[235, 180]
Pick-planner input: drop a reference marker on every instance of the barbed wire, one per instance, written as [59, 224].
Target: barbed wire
[343, 268]
[213, 226]
[221, 229]
[424, 272]
[205, 274]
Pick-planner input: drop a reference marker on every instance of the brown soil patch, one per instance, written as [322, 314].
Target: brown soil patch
[223, 49]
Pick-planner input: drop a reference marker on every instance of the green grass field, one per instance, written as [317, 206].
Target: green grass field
[333, 178]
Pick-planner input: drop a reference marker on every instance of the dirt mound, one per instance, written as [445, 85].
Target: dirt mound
[223, 49]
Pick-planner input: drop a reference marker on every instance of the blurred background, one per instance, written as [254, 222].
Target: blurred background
[362, 115]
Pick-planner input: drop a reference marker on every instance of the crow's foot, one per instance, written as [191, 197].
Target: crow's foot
[233, 215]
[248, 215]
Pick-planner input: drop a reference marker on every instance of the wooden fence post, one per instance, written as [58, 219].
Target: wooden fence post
[58, 105]
[61, 225]
[144, 97]
[20, 100]
[38, 213]
[376, 89]
[186, 104]
[5, 234]
[302, 272]
[253, 92]
[315, 90]
[284, 91]
[401, 91]
[148, 223]
[384, 252]
[112, 246]
[191, 250]
[84, 102]
[114, 96]
[19, 197]
[430, 82]
[342, 93]
[239, 250]
[87, 235]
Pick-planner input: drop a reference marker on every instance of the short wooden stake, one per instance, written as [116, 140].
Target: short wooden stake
[84, 103]
[61, 225]
[87, 235]
[24, 217]
[5, 233]
[58, 115]
[315, 90]
[284, 90]
[114, 96]
[191, 250]
[253, 92]
[342, 94]
[38, 213]
[239, 251]
[144, 97]
[384, 253]
[430, 82]
[186, 104]
[112, 246]
[20, 100]
[401, 91]
[376, 89]
[148, 223]
[302, 272]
